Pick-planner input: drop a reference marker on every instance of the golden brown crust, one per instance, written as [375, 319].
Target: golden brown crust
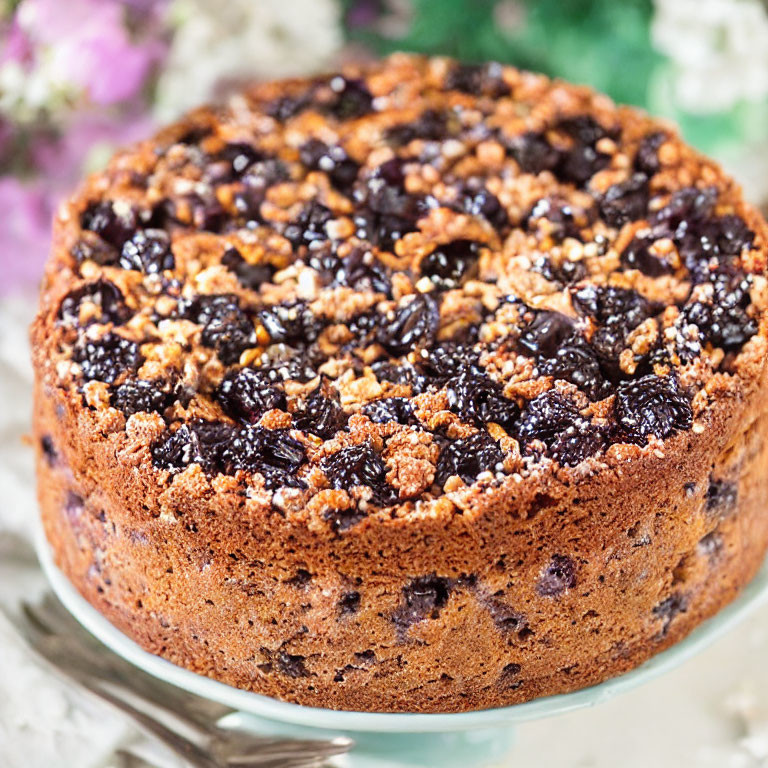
[542, 579]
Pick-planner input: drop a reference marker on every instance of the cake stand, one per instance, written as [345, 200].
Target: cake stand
[383, 740]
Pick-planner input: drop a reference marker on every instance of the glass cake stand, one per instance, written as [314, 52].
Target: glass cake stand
[382, 740]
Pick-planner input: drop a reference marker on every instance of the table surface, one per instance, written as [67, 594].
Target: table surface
[712, 712]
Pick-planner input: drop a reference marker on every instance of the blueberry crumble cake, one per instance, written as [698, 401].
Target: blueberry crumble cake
[417, 387]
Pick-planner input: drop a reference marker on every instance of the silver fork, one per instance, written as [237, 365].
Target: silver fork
[72, 652]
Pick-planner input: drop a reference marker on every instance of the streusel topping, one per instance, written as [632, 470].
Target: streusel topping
[387, 283]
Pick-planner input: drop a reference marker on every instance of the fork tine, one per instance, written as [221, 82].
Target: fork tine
[34, 619]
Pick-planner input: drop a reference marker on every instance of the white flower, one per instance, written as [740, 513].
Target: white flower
[718, 50]
[215, 41]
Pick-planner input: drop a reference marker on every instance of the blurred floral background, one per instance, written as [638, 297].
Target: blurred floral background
[80, 77]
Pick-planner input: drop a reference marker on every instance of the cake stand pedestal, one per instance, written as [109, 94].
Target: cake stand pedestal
[382, 740]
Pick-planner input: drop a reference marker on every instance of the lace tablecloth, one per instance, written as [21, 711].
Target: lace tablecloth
[710, 713]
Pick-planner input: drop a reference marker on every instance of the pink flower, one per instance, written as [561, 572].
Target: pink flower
[16, 44]
[88, 44]
[24, 233]
[62, 161]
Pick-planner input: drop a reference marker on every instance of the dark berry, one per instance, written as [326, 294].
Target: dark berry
[352, 99]
[722, 496]
[383, 230]
[700, 236]
[250, 276]
[365, 328]
[301, 578]
[547, 416]
[637, 255]
[449, 359]
[423, 598]
[725, 322]
[356, 466]
[321, 414]
[647, 156]
[388, 409]
[557, 577]
[414, 325]
[291, 665]
[226, 327]
[560, 217]
[111, 227]
[343, 519]
[309, 228]
[652, 405]
[361, 270]
[404, 374]
[449, 265]
[386, 211]
[686, 206]
[49, 450]
[349, 603]
[478, 399]
[626, 201]
[104, 295]
[481, 202]
[291, 323]
[273, 453]
[575, 361]
[360, 466]
[233, 161]
[618, 311]
[582, 161]
[478, 79]
[430, 125]
[198, 442]
[264, 173]
[534, 153]
[565, 273]
[668, 609]
[286, 107]
[74, 506]
[342, 171]
[545, 334]
[325, 262]
[108, 358]
[148, 251]
[506, 619]
[246, 395]
[283, 363]
[138, 395]
[583, 129]
[577, 443]
[510, 676]
[247, 202]
[467, 458]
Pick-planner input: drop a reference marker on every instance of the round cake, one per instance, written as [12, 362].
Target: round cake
[418, 387]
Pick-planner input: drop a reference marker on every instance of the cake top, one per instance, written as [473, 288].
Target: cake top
[398, 281]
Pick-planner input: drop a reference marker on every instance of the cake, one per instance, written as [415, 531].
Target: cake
[418, 387]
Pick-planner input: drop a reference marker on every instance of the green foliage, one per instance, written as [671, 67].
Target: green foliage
[604, 43]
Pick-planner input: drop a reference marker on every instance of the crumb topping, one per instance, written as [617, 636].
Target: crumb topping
[383, 285]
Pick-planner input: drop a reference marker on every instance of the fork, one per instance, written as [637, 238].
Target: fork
[56, 637]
